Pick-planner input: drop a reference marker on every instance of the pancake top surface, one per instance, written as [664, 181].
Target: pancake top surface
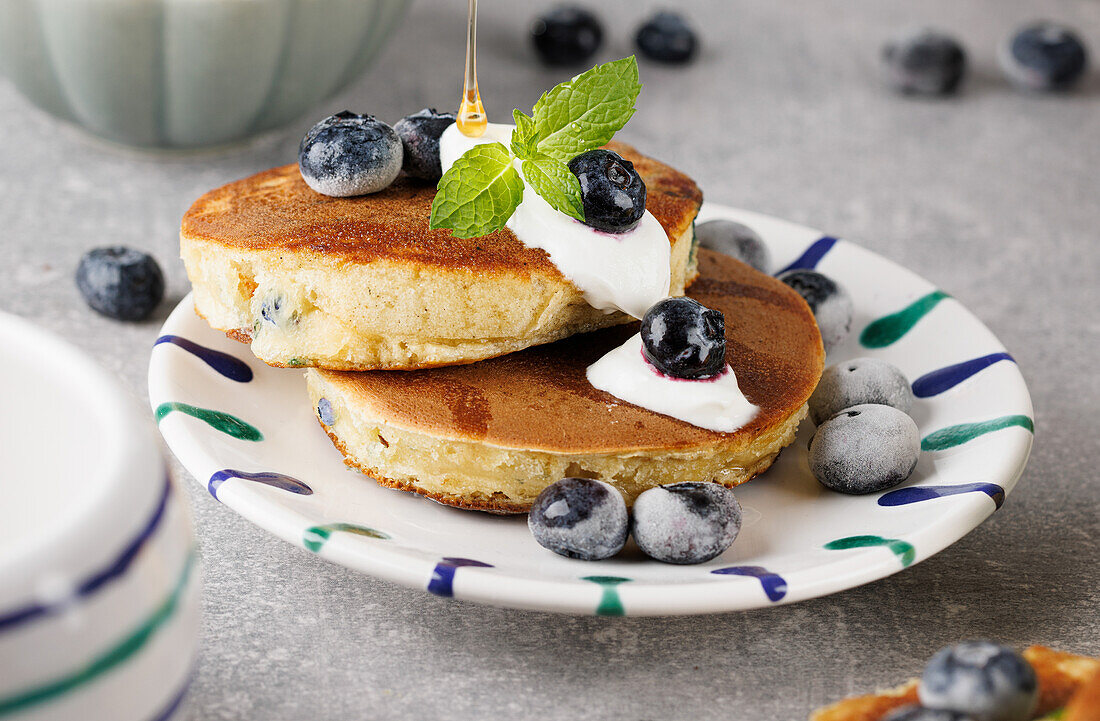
[540, 398]
[276, 210]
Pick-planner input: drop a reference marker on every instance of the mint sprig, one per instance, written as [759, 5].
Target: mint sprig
[586, 112]
[483, 192]
[478, 194]
[555, 182]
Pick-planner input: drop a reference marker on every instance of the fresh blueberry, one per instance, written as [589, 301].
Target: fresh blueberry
[736, 240]
[580, 518]
[420, 133]
[926, 62]
[1044, 56]
[667, 38]
[864, 449]
[920, 713]
[830, 303]
[567, 35]
[612, 191]
[120, 283]
[686, 522]
[324, 412]
[683, 338]
[984, 679]
[856, 382]
[348, 154]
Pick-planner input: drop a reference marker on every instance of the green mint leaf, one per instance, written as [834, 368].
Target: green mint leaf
[586, 112]
[556, 184]
[524, 137]
[479, 193]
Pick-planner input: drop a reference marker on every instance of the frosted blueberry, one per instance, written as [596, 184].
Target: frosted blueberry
[920, 713]
[926, 62]
[859, 381]
[988, 681]
[683, 338]
[735, 240]
[1044, 56]
[829, 301]
[348, 154]
[864, 449]
[580, 518]
[686, 522]
[420, 133]
[121, 283]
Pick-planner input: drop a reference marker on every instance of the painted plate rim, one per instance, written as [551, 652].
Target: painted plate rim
[862, 561]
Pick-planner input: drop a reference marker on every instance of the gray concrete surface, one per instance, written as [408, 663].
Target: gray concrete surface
[992, 195]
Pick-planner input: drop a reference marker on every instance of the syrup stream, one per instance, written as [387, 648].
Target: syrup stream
[472, 120]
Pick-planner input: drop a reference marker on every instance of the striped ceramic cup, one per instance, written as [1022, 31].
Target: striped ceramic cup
[99, 577]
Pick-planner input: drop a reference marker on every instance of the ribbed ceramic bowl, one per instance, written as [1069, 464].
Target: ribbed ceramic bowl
[99, 584]
[188, 73]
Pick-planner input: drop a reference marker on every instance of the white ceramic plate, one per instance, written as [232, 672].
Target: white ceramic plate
[798, 540]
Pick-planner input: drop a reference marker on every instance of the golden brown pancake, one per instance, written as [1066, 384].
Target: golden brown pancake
[363, 283]
[492, 435]
[1085, 705]
[1061, 675]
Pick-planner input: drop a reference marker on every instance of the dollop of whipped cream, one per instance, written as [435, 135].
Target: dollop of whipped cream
[714, 403]
[615, 271]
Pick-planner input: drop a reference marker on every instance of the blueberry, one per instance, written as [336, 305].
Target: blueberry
[348, 154]
[275, 310]
[567, 35]
[580, 518]
[686, 522]
[735, 240]
[612, 191]
[324, 411]
[920, 713]
[864, 449]
[1044, 56]
[121, 283]
[859, 381]
[830, 303]
[683, 338]
[420, 133]
[984, 679]
[667, 38]
[927, 62]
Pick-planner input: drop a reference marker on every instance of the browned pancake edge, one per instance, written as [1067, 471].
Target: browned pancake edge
[275, 209]
[540, 398]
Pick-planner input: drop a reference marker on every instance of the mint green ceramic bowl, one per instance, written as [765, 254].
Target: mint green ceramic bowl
[188, 73]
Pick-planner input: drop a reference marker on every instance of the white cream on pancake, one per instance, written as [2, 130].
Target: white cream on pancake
[715, 403]
[615, 271]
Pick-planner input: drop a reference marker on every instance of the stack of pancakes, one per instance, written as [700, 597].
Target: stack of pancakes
[455, 368]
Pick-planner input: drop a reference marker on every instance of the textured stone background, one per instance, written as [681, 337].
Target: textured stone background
[993, 196]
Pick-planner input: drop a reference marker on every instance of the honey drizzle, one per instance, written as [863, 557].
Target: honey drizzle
[472, 120]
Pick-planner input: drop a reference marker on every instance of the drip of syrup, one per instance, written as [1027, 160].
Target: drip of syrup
[472, 120]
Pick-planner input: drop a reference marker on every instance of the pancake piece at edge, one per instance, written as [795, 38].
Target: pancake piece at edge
[363, 283]
[490, 436]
